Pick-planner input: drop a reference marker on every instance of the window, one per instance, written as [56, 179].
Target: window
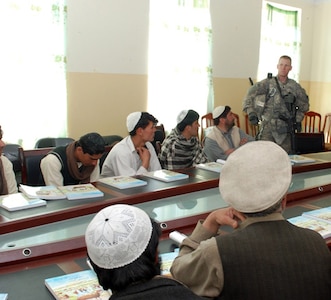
[33, 70]
[180, 72]
[280, 35]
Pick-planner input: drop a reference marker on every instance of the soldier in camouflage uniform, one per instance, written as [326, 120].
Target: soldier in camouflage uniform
[277, 105]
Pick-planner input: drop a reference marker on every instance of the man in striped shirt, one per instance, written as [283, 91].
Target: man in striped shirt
[181, 148]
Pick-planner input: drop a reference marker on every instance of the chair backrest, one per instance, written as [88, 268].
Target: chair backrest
[252, 130]
[111, 139]
[30, 163]
[327, 128]
[11, 152]
[159, 137]
[311, 122]
[309, 142]
[104, 155]
[206, 121]
[53, 142]
[236, 120]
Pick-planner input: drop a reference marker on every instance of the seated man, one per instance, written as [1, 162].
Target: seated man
[135, 154]
[122, 246]
[76, 163]
[181, 148]
[8, 184]
[223, 138]
[265, 257]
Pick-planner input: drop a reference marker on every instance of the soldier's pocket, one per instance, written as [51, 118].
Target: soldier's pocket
[279, 126]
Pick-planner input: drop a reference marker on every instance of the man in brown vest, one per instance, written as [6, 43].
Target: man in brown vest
[265, 257]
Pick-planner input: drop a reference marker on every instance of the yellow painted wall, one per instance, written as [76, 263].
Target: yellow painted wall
[101, 102]
[108, 57]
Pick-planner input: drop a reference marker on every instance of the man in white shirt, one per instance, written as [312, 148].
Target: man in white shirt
[135, 154]
[8, 184]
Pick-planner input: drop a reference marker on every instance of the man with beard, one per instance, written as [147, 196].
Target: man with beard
[224, 137]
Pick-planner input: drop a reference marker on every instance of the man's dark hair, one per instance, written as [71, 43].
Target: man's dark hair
[222, 115]
[92, 143]
[189, 119]
[142, 269]
[143, 122]
[268, 211]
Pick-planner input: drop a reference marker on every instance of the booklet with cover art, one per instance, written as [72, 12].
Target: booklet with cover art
[166, 175]
[323, 214]
[210, 166]
[48, 192]
[320, 226]
[80, 191]
[123, 182]
[78, 285]
[19, 201]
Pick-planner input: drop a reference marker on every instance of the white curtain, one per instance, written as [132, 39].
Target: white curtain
[280, 35]
[33, 70]
[180, 66]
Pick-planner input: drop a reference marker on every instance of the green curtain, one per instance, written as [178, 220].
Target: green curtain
[280, 35]
[33, 73]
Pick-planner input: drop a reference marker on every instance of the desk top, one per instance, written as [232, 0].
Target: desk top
[32, 274]
[199, 179]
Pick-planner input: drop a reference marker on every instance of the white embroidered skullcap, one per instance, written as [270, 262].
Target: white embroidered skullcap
[181, 116]
[132, 120]
[255, 176]
[218, 111]
[118, 235]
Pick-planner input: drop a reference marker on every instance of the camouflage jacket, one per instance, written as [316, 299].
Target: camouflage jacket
[277, 105]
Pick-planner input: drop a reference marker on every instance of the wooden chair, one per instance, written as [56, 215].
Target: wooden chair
[327, 131]
[252, 130]
[311, 122]
[237, 120]
[206, 121]
[30, 164]
[159, 137]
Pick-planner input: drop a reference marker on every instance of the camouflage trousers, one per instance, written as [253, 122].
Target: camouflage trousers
[265, 134]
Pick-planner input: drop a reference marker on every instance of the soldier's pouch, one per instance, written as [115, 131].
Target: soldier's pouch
[279, 126]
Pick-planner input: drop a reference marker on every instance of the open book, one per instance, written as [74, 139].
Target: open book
[166, 175]
[323, 214]
[315, 220]
[19, 201]
[78, 285]
[300, 159]
[122, 182]
[48, 192]
[80, 191]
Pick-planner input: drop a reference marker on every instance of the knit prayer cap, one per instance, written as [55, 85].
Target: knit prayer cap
[118, 235]
[186, 117]
[218, 111]
[132, 120]
[255, 176]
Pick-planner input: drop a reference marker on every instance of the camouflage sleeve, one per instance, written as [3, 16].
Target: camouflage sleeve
[302, 101]
[259, 88]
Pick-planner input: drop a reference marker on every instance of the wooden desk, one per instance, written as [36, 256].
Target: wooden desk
[59, 227]
[25, 280]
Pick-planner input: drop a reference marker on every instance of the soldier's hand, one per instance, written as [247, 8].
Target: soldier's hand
[253, 119]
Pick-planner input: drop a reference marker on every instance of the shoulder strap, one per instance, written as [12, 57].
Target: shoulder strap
[279, 89]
